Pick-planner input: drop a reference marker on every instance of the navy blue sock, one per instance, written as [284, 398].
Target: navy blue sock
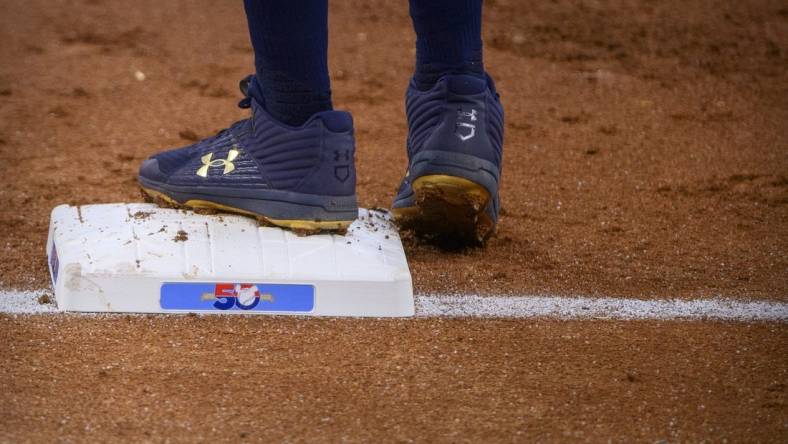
[290, 41]
[448, 39]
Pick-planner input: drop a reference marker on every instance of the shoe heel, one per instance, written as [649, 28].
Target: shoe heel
[448, 208]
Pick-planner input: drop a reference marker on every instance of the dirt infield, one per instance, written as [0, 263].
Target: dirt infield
[253, 379]
[646, 155]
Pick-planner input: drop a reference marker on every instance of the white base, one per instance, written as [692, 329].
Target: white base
[145, 259]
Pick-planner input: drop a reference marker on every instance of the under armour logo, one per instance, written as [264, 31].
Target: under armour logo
[341, 155]
[342, 172]
[470, 115]
[208, 161]
[465, 130]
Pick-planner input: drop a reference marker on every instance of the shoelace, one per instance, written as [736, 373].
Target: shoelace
[245, 103]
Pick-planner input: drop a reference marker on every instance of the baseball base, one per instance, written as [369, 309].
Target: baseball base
[145, 259]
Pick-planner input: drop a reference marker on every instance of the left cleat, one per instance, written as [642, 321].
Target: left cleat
[455, 138]
[302, 178]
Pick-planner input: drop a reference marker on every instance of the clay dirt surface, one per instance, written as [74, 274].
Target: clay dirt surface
[646, 156]
[235, 379]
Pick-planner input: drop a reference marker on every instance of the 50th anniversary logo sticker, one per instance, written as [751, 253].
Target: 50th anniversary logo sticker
[212, 296]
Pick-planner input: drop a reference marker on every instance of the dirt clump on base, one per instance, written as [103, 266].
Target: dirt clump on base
[142, 215]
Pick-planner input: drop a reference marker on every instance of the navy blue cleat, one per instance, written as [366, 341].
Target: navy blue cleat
[303, 178]
[455, 142]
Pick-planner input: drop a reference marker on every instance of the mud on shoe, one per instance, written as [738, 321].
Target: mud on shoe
[455, 141]
[302, 178]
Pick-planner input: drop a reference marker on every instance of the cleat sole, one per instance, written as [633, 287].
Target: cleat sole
[449, 210]
[299, 227]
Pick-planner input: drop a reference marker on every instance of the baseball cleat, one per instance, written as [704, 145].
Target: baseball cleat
[455, 141]
[302, 178]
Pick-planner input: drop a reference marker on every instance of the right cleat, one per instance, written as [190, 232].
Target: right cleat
[302, 178]
[455, 142]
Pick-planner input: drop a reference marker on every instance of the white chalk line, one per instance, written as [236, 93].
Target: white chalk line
[556, 307]
[25, 302]
[561, 307]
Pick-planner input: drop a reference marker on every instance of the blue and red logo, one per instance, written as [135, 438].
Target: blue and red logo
[243, 296]
[191, 296]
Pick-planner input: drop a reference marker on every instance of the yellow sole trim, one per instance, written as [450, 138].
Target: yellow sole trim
[452, 188]
[308, 226]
